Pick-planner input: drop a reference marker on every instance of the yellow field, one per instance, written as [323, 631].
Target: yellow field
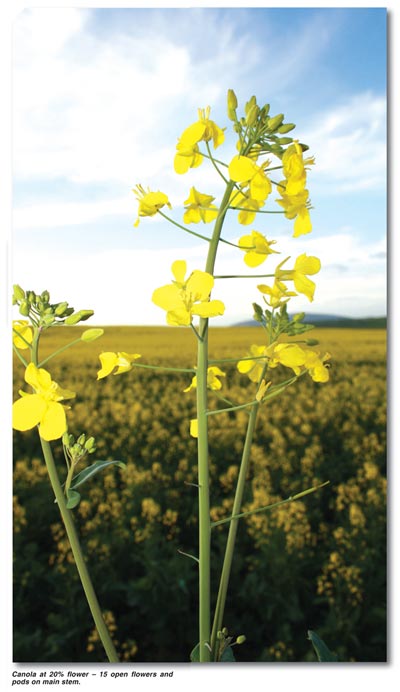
[319, 563]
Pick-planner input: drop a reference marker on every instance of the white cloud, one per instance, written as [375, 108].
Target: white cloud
[118, 284]
[349, 143]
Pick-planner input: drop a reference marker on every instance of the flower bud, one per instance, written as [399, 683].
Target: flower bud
[258, 312]
[90, 445]
[48, 320]
[79, 316]
[312, 342]
[252, 115]
[252, 102]
[24, 308]
[31, 296]
[91, 334]
[60, 309]
[81, 439]
[287, 127]
[19, 293]
[275, 122]
[285, 140]
[299, 317]
[232, 105]
[241, 639]
[45, 297]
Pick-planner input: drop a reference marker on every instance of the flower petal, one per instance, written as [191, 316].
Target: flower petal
[213, 308]
[28, 411]
[54, 423]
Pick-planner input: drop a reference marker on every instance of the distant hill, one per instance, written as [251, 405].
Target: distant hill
[323, 320]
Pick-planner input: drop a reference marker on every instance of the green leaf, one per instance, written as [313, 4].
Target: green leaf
[90, 471]
[323, 653]
[73, 499]
[227, 655]
[195, 654]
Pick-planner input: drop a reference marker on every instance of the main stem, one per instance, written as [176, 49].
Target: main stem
[202, 451]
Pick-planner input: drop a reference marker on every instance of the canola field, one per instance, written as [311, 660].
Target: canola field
[318, 563]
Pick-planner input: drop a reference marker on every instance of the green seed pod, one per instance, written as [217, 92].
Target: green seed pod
[275, 122]
[24, 308]
[60, 308]
[287, 127]
[19, 293]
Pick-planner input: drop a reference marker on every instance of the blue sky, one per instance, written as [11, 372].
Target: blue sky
[100, 98]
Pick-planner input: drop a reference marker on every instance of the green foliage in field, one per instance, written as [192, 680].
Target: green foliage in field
[316, 564]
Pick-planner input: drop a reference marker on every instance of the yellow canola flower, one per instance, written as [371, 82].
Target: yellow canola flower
[260, 248]
[296, 207]
[297, 358]
[194, 427]
[184, 298]
[22, 334]
[213, 373]
[199, 207]
[242, 169]
[294, 168]
[303, 266]
[149, 202]
[41, 408]
[278, 293]
[248, 206]
[121, 361]
[254, 368]
[186, 157]
[203, 130]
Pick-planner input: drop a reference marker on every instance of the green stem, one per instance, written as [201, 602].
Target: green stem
[73, 536]
[59, 350]
[230, 545]
[78, 555]
[21, 358]
[244, 276]
[183, 228]
[292, 498]
[162, 367]
[213, 161]
[202, 450]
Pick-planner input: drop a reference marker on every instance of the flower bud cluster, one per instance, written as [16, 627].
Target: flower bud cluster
[75, 450]
[258, 129]
[43, 313]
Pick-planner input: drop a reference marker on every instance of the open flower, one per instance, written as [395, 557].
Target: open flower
[248, 206]
[187, 156]
[244, 170]
[121, 361]
[256, 247]
[254, 365]
[149, 202]
[22, 334]
[184, 298]
[278, 294]
[303, 266]
[294, 168]
[203, 129]
[199, 207]
[213, 373]
[42, 408]
[295, 357]
[296, 207]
